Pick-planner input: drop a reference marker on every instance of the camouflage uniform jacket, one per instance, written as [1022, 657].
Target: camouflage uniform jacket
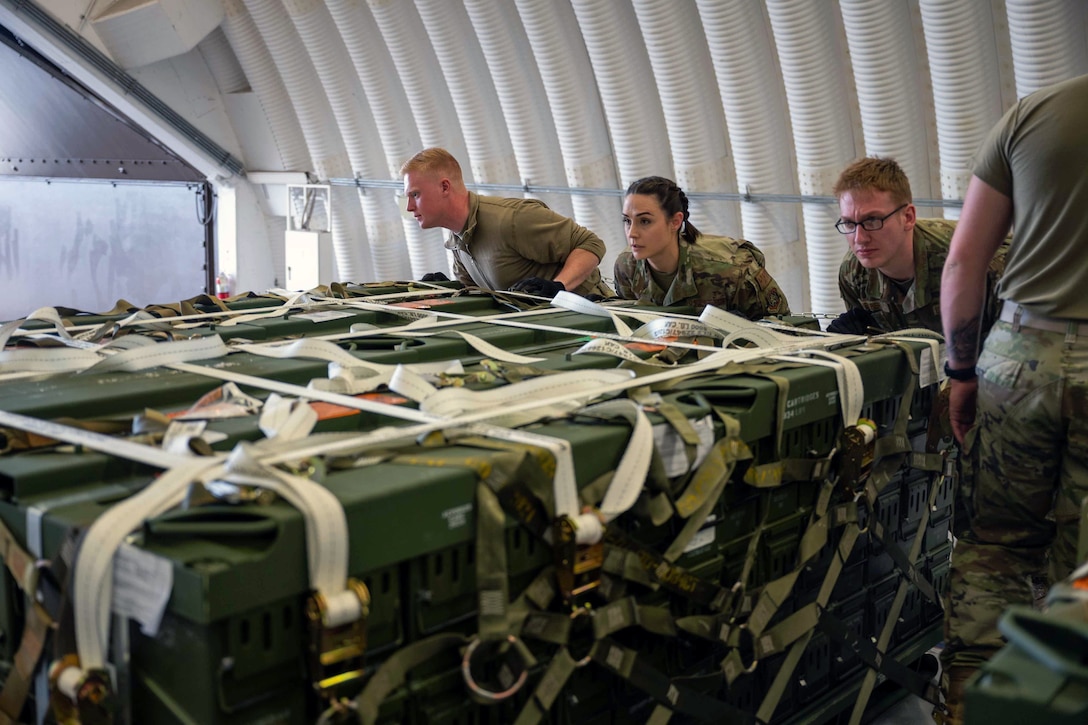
[921, 305]
[720, 271]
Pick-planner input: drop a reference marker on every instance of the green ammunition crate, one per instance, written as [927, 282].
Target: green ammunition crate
[1040, 676]
[235, 622]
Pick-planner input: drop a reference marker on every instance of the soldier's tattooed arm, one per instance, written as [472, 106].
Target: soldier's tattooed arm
[984, 222]
[963, 343]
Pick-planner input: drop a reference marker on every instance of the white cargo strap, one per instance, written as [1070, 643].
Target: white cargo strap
[92, 579]
[286, 420]
[326, 536]
[576, 388]
[452, 318]
[671, 327]
[294, 301]
[483, 347]
[149, 354]
[577, 303]
[931, 367]
[307, 348]
[143, 318]
[741, 328]
[847, 377]
[326, 528]
[631, 472]
[47, 360]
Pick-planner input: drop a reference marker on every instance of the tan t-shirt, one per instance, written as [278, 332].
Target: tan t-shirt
[1037, 156]
[509, 240]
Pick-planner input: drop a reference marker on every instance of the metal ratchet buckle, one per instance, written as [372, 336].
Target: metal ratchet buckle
[506, 677]
[90, 701]
[578, 566]
[336, 653]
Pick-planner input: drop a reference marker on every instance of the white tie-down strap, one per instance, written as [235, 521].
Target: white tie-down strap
[601, 346]
[307, 348]
[847, 376]
[144, 319]
[675, 328]
[631, 472]
[736, 328]
[45, 360]
[577, 303]
[576, 388]
[286, 419]
[93, 580]
[565, 483]
[573, 390]
[481, 346]
[293, 301]
[931, 366]
[326, 528]
[326, 539]
[141, 353]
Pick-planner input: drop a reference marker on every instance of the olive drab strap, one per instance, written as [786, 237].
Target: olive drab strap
[23, 568]
[393, 672]
[891, 452]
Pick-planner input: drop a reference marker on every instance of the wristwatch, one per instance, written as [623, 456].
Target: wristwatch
[961, 374]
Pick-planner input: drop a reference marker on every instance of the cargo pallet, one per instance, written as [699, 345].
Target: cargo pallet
[754, 460]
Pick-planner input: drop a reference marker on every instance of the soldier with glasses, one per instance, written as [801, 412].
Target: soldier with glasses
[891, 277]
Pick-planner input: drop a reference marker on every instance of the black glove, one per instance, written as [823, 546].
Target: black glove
[538, 286]
[853, 322]
[596, 298]
[434, 277]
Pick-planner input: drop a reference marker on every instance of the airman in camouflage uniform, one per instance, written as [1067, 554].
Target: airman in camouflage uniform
[669, 262]
[1020, 407]
[720, 271]
[920, 304]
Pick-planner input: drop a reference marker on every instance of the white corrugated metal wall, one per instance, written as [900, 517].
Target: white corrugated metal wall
[753, 106]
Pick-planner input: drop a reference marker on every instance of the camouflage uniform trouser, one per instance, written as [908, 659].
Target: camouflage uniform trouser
[1030, 449]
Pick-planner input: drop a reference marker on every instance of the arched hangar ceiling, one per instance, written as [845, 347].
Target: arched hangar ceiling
[752, 106]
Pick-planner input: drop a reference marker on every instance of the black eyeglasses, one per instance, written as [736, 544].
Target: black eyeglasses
[871, 224]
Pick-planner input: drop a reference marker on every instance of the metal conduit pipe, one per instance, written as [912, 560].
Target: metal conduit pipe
[692, 109]
[490, 152]
[962, 62]
[396, 130]
[521, 96]
[326, 152]
[318, 32]
[1048, 43]
[640, 139]
[223, 63]
[432, 108]
[747, 70]
[892, 119]
[579, 122]
[817, 96]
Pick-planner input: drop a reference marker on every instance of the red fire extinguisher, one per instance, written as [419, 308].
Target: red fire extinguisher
[222, 285]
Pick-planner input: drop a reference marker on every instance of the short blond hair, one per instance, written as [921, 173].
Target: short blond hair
[435, 161]
[875, 173]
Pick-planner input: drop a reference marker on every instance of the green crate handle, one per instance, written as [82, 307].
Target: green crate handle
[1034, 632]
[212, 521]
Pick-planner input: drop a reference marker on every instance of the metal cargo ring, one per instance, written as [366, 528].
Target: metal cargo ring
[491, 695]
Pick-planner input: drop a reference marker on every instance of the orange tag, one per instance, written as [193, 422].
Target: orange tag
[643, 347]
[328, 411]
[387, 398]
[423, 304]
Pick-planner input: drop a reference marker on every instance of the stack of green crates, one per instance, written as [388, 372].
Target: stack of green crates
[232, 644]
